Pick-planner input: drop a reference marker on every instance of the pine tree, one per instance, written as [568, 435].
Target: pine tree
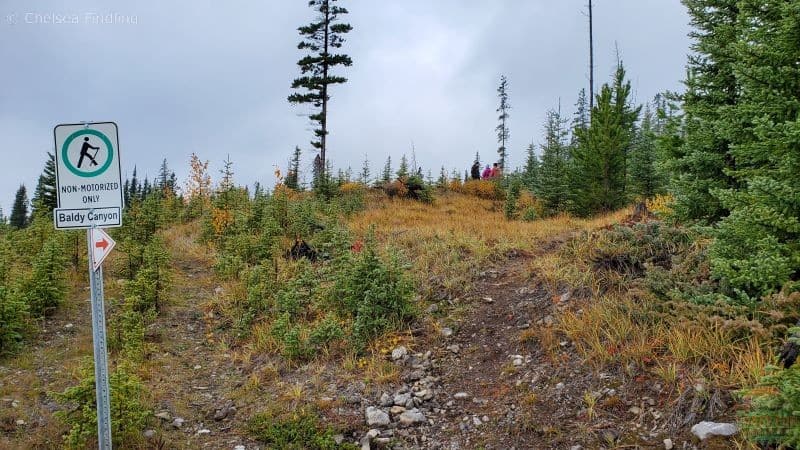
[44, 197]
[599, 161]
[387, 171]
[402, 172]
[166, 180]
[530, 175]
[442, 181]
[19, 211]
[643, 175]
[364, 176]
[134, 190]
[700, 165]
[580, 121]
[757, 246]
[146, 188]
[502, 128]
[292, 180]
[321, 38]
[553, 176]
[226, 183]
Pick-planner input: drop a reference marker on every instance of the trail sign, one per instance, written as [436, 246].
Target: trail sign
[88, 176]
[101, 244]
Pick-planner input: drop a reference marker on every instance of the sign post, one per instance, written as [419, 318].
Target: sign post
[99, 339]
[89, 193]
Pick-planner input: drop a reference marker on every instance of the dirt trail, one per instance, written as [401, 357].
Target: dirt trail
[192, 377]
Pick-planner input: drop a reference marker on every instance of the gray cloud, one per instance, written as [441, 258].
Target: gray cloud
[213, 78]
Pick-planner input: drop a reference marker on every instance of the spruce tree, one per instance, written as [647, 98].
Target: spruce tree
[702, 164]
[134, 190]
[599, 161]
[442, 181]
[364, 176]
[580, 120]
[757, 246]
[44, 197]
[644, 181]
[530, 175]
[503, 133]
[321, 38]
[19, 211]
[402, 171]
[292, 180]
[387, 171]
[553, 177]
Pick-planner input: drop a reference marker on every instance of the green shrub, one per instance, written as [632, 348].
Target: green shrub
[514, 191]
[530, 215]
[46, 287]
[297, 430]
[127, 329]
[375, 293]
[773, 416]
[13, 320]
[130, 413]
[153, 279]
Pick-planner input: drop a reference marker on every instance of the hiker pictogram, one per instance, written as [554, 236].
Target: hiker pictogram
[85, 153]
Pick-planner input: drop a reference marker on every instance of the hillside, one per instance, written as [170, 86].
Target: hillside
[544, 334]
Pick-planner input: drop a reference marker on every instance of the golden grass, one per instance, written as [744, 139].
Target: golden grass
[450, 240]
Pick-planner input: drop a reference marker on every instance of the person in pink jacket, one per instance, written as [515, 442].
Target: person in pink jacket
[487, 172]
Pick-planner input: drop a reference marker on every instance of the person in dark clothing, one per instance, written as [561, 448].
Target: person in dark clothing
[476, 171]
[85, 153]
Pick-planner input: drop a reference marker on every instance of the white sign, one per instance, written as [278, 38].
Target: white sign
[101, 244]
[88, 176]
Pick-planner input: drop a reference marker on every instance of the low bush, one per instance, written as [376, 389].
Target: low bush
[487, 189]
[13, 320]
[130, 412]
[297, 430]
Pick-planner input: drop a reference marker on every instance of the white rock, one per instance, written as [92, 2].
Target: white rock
[164, 415]
[204, 431]
[461, 395]
[488, 299]
[411, 417]
[635, 410]
[399, 353]
[396, 409]
[704, 430]
[149, 434]
[402, 399]
[20, 422]
[476, 421]
[668, 445]
[560, 386]
[517, 362]
[376, 417]
[178, 422]
[447, 331]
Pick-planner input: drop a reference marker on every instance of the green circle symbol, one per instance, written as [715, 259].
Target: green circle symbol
[73, 169]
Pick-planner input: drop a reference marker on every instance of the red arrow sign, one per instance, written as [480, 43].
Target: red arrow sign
[102, 244]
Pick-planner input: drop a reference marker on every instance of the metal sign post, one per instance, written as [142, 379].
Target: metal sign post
[89, 194]
[100, 349]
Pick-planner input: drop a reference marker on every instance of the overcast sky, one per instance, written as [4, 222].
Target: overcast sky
[212, 77]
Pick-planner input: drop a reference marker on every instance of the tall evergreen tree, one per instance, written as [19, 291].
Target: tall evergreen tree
[402, 171]
[503, 133]
[44, 197]
[166, 181]
[644, 180]
[19, 211]
[442, 181]
[293, 172]
[702, 164]
[530, 175]
[364, 176]
[134, 190]
[553, 174]
[580, 120]
[757, 246]
[599, 161]
[387, 171]
[321, 38]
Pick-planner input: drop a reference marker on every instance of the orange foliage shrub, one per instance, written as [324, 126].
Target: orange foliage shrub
[528, 201]
[351, 188]
[482, 189]
[395, 189]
